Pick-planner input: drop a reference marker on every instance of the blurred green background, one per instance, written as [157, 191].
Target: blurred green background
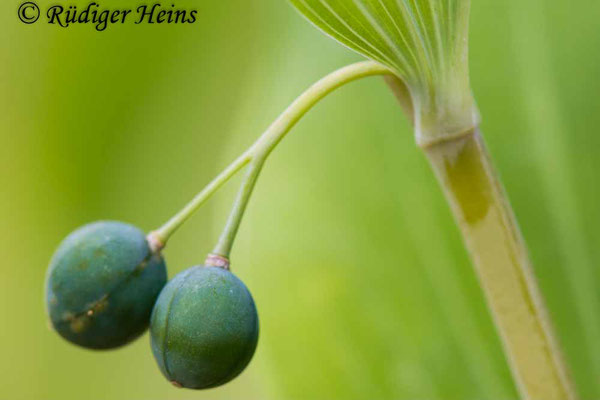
[362, 283]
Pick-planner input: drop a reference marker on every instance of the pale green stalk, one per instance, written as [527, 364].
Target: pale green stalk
[258, 153]
[425, 42]
[490, 230]
[277, 131]
[483, 213]
[549, 155]
[164, 232]
[225, 243]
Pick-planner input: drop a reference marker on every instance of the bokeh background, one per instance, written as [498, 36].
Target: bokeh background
[362, 283]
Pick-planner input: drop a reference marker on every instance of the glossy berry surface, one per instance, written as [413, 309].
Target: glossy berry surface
[204, 328]
[101, 285]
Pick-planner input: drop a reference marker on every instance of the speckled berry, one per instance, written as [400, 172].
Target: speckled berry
[101, 285]
[204, 328]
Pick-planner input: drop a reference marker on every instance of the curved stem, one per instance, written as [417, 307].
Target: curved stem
[282, 125]
[260, 150]
[277, 131]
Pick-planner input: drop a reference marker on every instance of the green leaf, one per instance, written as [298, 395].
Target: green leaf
[424, 41]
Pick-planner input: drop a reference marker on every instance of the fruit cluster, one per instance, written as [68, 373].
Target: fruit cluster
[107, 283]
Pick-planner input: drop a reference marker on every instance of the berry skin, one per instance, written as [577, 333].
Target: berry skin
[101, 285]
[204, 328]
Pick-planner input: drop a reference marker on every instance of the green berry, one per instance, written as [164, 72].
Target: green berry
[102, 283]
[204, 328]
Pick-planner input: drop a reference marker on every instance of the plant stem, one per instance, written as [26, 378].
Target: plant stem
[489, 227]
[484, 216]
[223, 247]
[277, 131]
[258, 153]
[282, 125]
[164, 233]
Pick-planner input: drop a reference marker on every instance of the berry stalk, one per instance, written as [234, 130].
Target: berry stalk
[223, 247]
[160, 236]
[256, 156]
[276, 132]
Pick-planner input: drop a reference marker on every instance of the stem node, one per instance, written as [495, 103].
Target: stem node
[155, 242]
[216, 260]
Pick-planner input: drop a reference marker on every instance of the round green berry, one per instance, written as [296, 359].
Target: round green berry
[204, 328]
[102, 283]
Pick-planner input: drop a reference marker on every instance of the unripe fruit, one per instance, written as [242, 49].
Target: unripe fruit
[102, 283]
[204, 328]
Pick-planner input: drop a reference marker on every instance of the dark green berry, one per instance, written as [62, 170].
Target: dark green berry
[204, 328]
[102, 283]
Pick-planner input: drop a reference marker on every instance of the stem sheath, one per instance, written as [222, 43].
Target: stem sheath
[484, 215]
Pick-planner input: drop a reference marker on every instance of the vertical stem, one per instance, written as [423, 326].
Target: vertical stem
[484, 215]
[558, 179]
